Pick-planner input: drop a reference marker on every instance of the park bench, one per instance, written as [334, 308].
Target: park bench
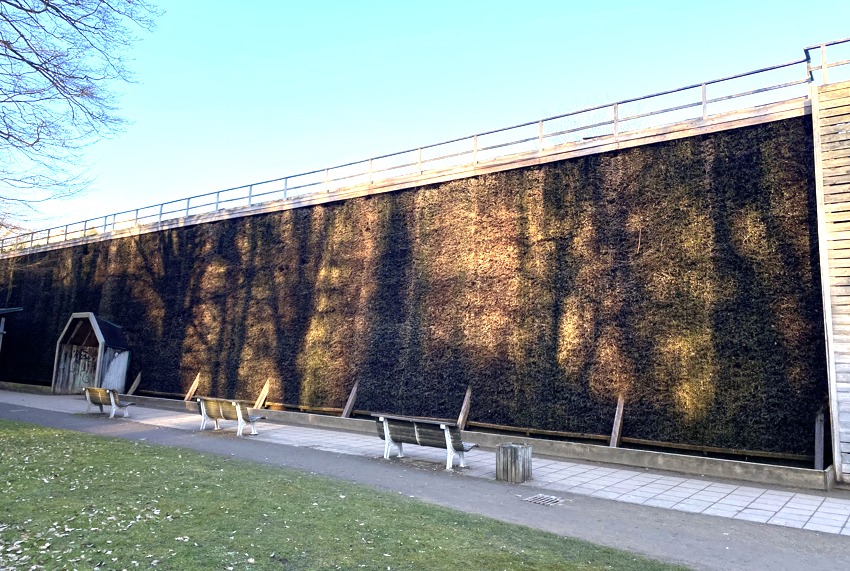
[401, 430]
[99, 397]
[224, 409]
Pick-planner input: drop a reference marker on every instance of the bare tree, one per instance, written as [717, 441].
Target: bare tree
[59, 63]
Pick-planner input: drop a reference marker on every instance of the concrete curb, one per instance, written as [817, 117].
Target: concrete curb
[763, 474]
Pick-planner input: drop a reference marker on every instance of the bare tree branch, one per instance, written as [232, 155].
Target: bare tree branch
[59, 60]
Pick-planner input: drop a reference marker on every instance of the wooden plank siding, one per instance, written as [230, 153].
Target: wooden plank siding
[831, 123]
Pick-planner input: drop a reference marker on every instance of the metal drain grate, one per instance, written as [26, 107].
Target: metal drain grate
[542, 500]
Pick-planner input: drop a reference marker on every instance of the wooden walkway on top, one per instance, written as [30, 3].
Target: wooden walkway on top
[831, 123]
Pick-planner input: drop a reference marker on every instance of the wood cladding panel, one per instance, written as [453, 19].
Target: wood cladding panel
[831, 121]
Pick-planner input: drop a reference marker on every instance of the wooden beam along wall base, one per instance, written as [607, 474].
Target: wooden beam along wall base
[191, 392]
[831, 136]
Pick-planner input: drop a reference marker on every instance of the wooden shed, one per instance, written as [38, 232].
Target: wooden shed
[90, 352]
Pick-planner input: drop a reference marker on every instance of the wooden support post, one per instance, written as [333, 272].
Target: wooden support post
[135, 384]
[193, 388]
[618, 423]
[819, 441]
[264, 393]
[349, 405]
[464, 410]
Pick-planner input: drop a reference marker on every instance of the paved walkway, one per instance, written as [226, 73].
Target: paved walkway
[815, 511]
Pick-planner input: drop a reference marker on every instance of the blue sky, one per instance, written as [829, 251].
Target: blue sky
[228, 96]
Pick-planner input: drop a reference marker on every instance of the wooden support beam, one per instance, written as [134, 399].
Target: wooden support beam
[819, 422]
[464, 409]
[193, 388]
[135, 384]
[617, 431]
[264, 393]
[349, 405]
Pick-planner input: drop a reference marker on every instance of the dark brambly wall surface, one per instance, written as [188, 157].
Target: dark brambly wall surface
[682, 274]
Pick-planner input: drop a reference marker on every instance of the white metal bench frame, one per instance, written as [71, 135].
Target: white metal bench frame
[446, 427]
[238, 416]
[96, 396]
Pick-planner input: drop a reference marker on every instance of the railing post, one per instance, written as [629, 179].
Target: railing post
[251, 191]
[540, 135]
[85, 227]
[285, 187]
[370, 171]
[216, 200]
[474, 150]
[326, 181]
[105, 222]
[188, 200]
[136, 219]
[823, 66]
[704, 104]
[616, 126]
[419, 161]
[160, 212]
[32, 239]
[65, 236]
[48, 236]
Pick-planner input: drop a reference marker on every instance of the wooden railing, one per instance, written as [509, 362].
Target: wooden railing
[699, 101]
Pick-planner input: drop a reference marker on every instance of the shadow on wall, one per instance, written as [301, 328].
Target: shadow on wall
[682, 275]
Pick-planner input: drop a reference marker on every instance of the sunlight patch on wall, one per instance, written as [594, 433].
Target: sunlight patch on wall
[687, 358]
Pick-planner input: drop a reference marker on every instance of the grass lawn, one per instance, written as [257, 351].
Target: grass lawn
[75, 501]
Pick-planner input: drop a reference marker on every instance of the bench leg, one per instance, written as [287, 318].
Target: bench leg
[115, 406]
[462, 460]
[217, 427]
[89, 404]
[450, 451]
[241, 427]
[203, 422]
[388, 443]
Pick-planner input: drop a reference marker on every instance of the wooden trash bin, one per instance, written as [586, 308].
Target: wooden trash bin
[513, 463]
